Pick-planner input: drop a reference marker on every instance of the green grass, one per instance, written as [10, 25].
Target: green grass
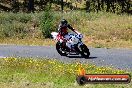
[49, 73]
[50, 42]
[99, 29]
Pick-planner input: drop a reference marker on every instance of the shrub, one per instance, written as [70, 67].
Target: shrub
[46, 23]
[23, 17]
[13, 30]
[9, 17]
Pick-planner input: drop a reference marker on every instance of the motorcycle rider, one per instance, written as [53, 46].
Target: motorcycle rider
[63, 32]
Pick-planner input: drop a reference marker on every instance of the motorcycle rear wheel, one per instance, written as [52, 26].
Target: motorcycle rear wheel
[60, 49]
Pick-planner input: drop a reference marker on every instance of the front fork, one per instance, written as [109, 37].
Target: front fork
[79, 45]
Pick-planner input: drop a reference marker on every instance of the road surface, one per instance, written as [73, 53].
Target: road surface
[117, 58]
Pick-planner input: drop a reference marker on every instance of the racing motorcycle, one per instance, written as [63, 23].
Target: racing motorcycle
[77, 46]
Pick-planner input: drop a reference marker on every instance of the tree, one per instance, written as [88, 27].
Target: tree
[62, 5]
[15, 5]
[108, 5]
[31, 5]
[87, 5]
[99, 5]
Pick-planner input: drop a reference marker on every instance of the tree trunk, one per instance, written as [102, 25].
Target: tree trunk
[108, 5]
[31, 5]
[99, 6]
[15, 5]
[102, 4]
[24, 6]
[87, 6]
[62, 5]
[113, 6]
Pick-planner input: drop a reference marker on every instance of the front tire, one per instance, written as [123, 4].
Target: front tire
[84, 51]
[60, 49]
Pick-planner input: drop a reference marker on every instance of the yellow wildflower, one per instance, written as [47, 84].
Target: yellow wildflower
[30, 61]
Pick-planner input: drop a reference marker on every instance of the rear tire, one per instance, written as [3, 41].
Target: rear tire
[84, 51]
[60, 49]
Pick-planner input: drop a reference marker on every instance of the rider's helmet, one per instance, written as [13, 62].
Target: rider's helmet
[63, 23]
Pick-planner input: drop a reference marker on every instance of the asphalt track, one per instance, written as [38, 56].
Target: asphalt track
[117, 58]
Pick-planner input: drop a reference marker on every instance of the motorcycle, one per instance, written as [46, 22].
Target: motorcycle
[77, 46]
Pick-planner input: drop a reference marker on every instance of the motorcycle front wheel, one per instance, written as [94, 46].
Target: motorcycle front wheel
[84, 51]
[61, 49]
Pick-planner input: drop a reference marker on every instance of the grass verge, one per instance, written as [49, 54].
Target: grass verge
[47, 73]
[100, 29]
[87, 40]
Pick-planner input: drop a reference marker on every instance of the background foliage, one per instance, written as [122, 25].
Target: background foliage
[115, 6]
